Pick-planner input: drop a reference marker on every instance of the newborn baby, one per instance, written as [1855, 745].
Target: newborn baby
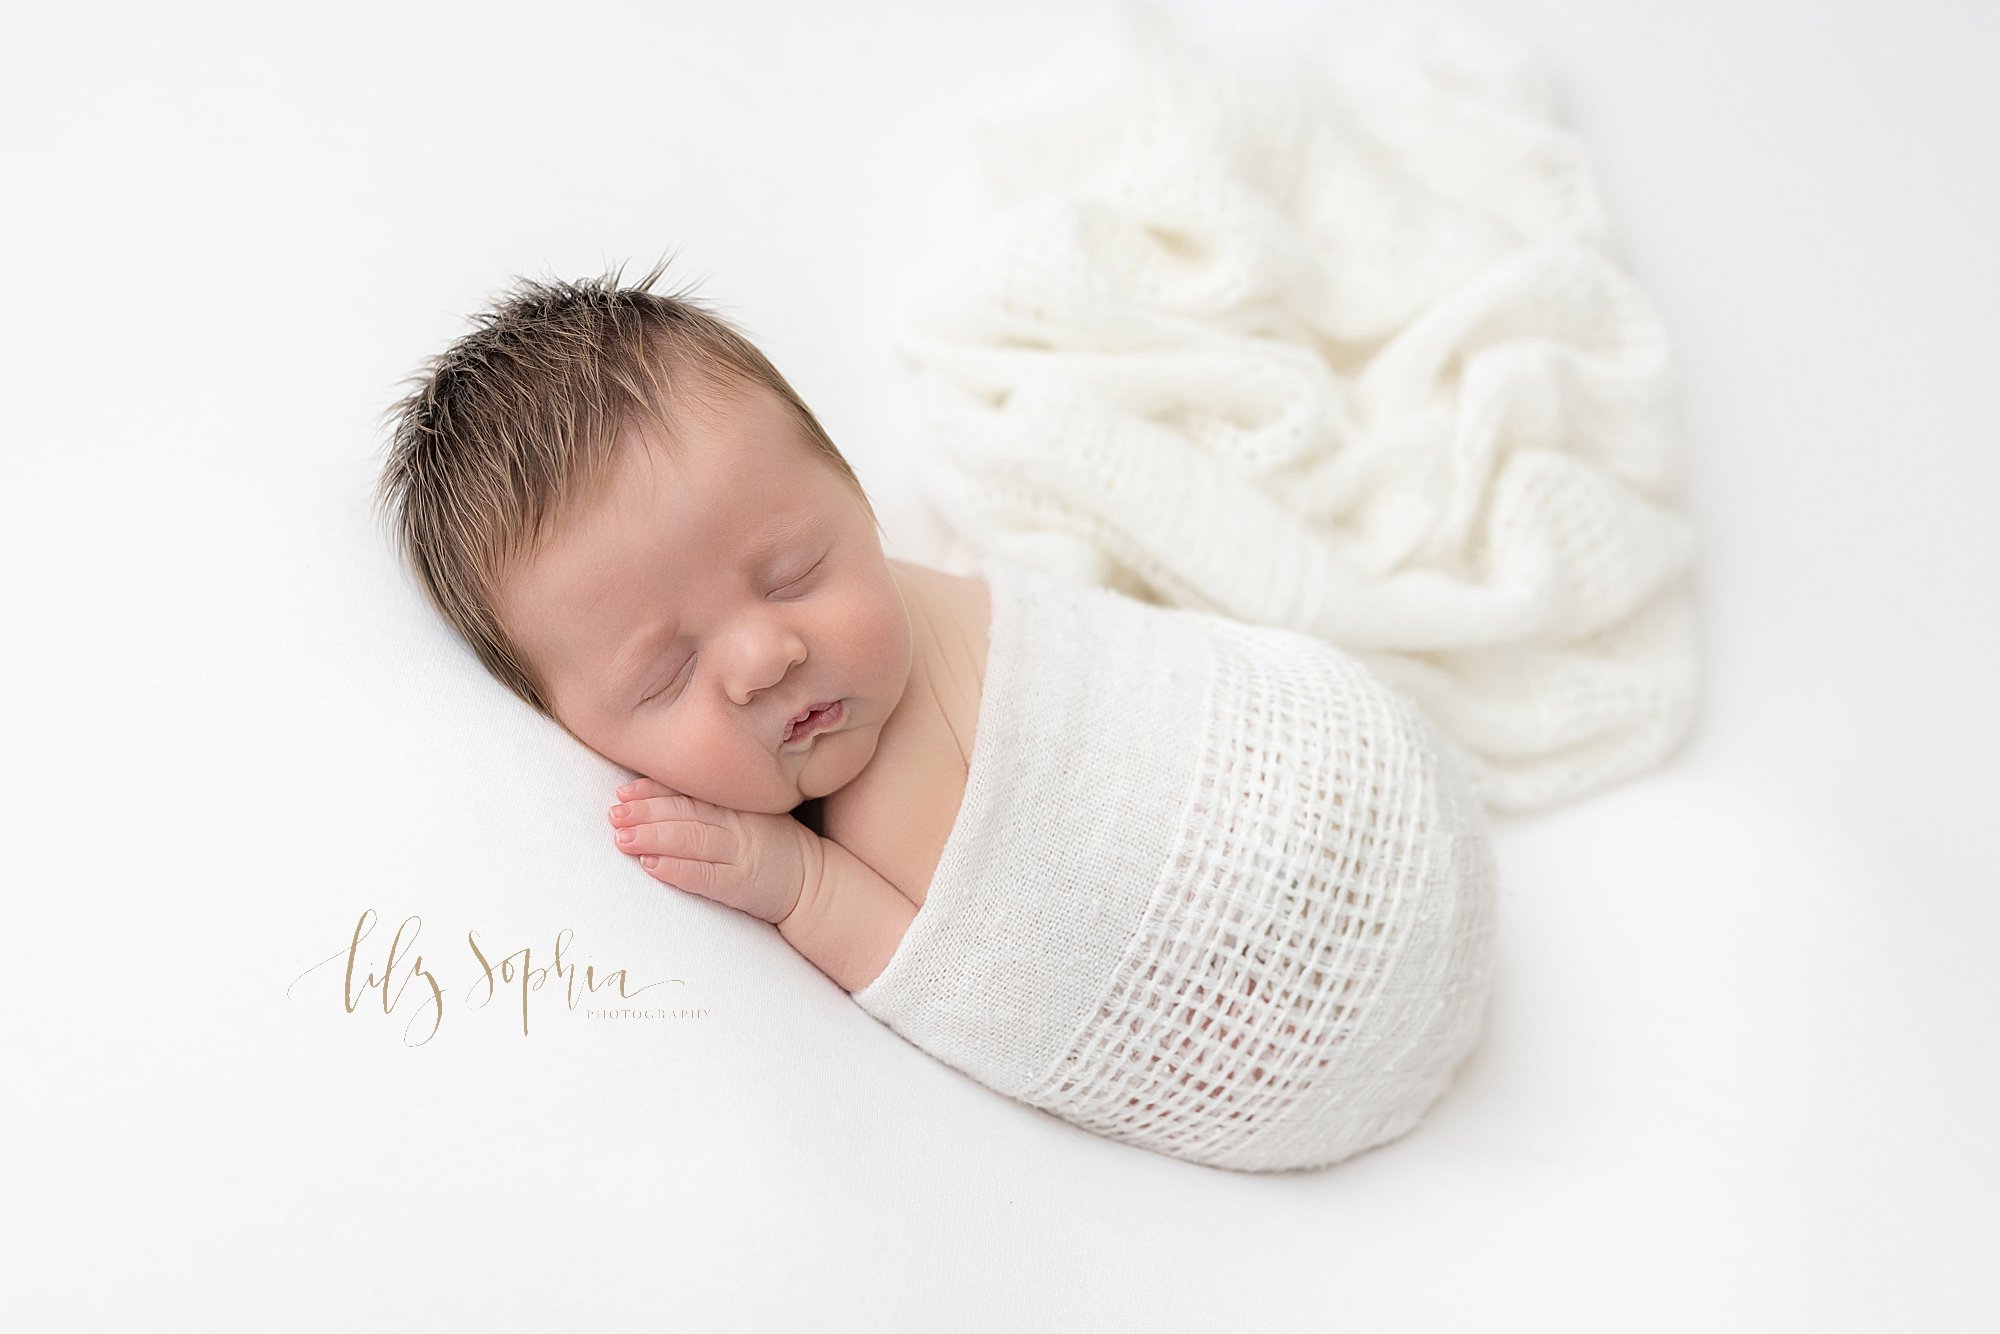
[717, 615]
[1204, 887]
[624, 508]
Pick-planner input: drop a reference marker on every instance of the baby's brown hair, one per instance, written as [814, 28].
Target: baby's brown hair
[517, 420]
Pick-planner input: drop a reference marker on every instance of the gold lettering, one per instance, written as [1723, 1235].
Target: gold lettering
[517, 969]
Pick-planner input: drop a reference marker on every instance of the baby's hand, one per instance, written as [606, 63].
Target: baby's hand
[750, 861]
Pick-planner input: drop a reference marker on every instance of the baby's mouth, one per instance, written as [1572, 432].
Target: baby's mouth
[814, 718]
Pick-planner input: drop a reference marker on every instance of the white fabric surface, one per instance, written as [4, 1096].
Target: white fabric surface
[1738, 1069]
[1338, 339]
[1214, 890]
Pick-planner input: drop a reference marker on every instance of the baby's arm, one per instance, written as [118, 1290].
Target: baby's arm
[848, 920]
[827, 903]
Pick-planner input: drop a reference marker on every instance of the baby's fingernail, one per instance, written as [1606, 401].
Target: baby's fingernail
[626, 789]
[649, 862]
[620, 812]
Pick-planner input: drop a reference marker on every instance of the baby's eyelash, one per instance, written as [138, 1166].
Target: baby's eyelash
[802, 578]
[670, 682]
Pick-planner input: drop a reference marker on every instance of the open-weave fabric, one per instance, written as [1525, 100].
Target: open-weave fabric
[1214, 889]
[1335, 338]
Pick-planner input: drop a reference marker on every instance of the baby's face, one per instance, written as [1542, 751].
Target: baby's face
[686, 614]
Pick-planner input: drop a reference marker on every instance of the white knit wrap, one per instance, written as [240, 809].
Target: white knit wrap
[1336, 338]
[1214, 889]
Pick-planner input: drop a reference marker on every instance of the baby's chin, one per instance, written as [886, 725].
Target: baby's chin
[822, 775]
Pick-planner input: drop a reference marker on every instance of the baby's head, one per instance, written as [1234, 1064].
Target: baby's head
[624, 509]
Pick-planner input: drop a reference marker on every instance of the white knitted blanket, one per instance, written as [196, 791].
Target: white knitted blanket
[1336, 338]
[1214, 889]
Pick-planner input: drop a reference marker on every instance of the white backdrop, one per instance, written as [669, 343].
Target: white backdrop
[1739, 1070]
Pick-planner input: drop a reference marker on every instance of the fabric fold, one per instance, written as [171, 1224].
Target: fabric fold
[1335, 340]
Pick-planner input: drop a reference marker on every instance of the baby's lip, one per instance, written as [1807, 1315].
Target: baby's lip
[785, 732]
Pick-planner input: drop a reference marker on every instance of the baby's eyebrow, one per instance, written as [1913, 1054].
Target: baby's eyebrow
[778, 535]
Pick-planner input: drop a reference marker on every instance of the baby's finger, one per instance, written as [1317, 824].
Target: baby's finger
[653, 810]
[691, 839]
[690, 877]
[642, 786]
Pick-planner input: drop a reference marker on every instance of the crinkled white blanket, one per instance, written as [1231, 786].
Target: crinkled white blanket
[1332, 340]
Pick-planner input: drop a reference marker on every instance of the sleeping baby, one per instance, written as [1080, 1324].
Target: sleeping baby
[1203, 887]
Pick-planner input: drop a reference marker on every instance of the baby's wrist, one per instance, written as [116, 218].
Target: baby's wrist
[848, 920]
[812, 870]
